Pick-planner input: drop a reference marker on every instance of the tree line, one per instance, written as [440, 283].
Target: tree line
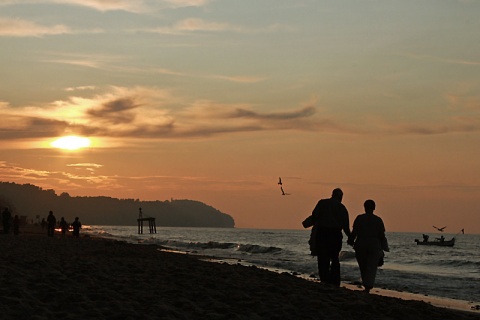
[33, 202]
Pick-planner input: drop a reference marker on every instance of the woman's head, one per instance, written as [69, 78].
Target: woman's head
[369, 205]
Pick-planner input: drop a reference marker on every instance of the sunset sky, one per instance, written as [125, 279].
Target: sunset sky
[214, 100]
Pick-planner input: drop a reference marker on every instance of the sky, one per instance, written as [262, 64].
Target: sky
[214, 100]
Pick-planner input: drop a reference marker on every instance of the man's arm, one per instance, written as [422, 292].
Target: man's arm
[308, 222]
[346, 223]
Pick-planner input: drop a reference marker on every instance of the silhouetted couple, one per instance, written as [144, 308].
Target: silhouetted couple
[328, 219]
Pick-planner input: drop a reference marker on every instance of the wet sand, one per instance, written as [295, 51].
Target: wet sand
[93, 278]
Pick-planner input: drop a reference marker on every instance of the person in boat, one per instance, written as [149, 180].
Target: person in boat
[441, 239]
[425, 237]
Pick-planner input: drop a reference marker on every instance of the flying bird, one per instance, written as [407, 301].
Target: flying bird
[440, 229]
[283, 192]
[281, 188]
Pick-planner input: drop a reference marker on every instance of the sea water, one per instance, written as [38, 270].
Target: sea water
[451, 272]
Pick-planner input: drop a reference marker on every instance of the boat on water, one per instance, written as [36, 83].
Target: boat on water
[437, 242]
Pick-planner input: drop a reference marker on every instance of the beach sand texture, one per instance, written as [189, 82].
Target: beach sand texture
[93, 278]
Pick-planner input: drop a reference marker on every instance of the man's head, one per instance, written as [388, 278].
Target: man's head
[369, 205]
[337, 194]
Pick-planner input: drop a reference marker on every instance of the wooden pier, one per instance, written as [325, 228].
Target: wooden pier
[151, 225]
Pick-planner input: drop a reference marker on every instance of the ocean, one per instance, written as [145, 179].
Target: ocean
[451, 272]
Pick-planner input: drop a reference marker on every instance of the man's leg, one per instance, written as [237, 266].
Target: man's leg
[323, 265]
[334, 251]
[335, 271]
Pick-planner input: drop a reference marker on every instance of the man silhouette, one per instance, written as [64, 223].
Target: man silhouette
[330, 217]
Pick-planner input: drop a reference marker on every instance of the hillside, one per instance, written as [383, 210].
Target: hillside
[35, 202]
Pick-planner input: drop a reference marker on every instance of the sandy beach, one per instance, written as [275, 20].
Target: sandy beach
[93, 278]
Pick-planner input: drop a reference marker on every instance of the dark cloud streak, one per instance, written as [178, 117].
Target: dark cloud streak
[116, 111]
[302, 113]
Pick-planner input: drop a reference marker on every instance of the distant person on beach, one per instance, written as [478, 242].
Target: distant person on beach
[51, 222]
[369, 242]
[43, 223]
[329, 218]
[63, 226]
[76, 225]
[6, 217]
[16, 225]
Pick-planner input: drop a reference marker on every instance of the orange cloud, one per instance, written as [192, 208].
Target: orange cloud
[10, 27]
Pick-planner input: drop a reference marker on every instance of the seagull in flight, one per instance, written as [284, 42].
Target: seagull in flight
[440, 229]
[281, 188]
[283, 192]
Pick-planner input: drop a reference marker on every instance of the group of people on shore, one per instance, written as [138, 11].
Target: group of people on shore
[7, 221]
[328, 219]
[51, 224]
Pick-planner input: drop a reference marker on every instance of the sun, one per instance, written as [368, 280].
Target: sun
[71, 143]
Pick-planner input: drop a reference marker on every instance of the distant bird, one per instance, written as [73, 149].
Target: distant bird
[440, 229]
[283, 192]
[281, 188]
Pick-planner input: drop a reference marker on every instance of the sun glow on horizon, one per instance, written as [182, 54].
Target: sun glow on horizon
[71, 143]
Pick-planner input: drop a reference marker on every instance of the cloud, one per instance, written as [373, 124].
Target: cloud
[240, 79]
[465, 98]
[95, 61]
[80, 88]
[116, 111]
[25, 127]
[9, 170]
[304, 112]
[143, 113]
[169, 72]
[100, 5]
[196, 25]
[130, 114]
[107, 5]
[188, 26]
[89, 167]
[442, 60]
[80, 63]
[93, 165]
[134, 6]
[236, 79]
[54, 179]
[10, 27]
[85, 179]
[187, 3]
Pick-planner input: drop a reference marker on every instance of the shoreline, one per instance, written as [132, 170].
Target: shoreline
[441, 302]
[90, 277]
